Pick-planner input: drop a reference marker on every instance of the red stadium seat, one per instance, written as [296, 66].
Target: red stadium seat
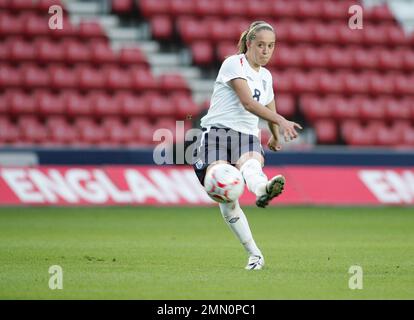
[331, 83]
[9, 132]
[22, 5]
[4, 105]
[287, 56]
[364, 58]
[324, 33]
[142, 79]
[283, 81]
[396, 36]
[90, 78]
[374, 35]
[408, 59]
[4, 51]
[102, 53]
[361, 136]
[9, 77]
[347, 36]
[64, 134]
[21, 51]
[283, 9]
[93, 134]
[142, 130]
[10, 24]
[181, 7]
[192, 30]
[173, 82]
[356, 83]
[44, 5]
[68, 31]
[315, 108]
[342, 109]
[205, 8]
[225, 49]
[388, 136]
[305, 82]
[35, 77]
[33, 132]
[331, 10]
[104, 105]
[202, 52]
[49, 104]
[301, 32]
[325, 131]
[308, 10]
[120, 135]
[232, 8]
[338, 57]
[21, 103]
[78, 105]
[117, 79]
[285, 105]
[162, 26]
[220, 31]
[257, 9]
[49, 51]
[91, 30]
[390, 60]
[184, 106]
[381, 84]
[132, 56]
[380, 13]
[131, 105]
[56, 121]
[76, 51]
[369, 109]
[122, 6]
[62, 78]
[395, 109]
[408, 137]
[151, 8]
[159, 106]
[35, 26]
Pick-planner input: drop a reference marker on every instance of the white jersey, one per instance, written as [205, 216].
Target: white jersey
[225, 106]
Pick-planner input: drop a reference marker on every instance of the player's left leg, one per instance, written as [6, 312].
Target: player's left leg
[237, 221]
[250, 165]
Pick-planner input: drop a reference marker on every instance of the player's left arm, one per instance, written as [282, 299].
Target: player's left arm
[274, 141]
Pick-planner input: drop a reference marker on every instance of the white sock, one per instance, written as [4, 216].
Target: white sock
[237, 221]
[254, 176]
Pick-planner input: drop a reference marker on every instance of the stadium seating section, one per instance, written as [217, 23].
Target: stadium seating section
[323, 70]
[69, 87]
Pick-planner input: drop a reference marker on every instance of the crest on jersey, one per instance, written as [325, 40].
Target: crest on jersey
[264, 85]
[199, 164]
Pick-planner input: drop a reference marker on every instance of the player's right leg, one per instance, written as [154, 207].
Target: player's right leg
[250, 165]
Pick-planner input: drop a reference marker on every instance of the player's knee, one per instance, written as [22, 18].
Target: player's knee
[230, 211]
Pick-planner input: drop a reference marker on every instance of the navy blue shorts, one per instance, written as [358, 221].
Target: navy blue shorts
[222, 144]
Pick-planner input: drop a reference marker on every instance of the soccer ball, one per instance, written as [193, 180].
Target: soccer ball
[224, 183]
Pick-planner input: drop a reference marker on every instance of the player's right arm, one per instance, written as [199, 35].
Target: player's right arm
[242, 90]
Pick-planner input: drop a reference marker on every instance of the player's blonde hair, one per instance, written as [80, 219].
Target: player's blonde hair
[250, 34]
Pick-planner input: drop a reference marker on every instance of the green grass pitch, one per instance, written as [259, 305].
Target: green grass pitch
[190, 253]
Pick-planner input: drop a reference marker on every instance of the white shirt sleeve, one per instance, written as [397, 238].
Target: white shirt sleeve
[232, 68]
[270, 93]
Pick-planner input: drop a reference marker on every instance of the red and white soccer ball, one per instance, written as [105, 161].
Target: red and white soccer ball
[224, 183]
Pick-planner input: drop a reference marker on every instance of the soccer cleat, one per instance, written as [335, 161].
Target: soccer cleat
[273, 188]
[255, 263]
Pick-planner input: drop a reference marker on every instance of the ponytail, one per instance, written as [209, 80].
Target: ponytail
[242, 45]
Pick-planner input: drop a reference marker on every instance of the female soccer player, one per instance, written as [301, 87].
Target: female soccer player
[243, 93]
